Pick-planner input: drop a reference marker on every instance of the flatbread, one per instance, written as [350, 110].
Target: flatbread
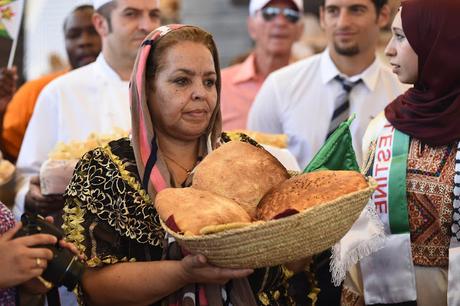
[193, 209]
[308, 190]
[239, 171]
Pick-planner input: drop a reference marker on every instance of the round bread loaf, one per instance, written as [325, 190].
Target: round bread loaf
[194, 209]
[307, 190]
[241, 172]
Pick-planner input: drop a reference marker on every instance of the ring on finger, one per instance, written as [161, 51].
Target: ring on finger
[38, 262]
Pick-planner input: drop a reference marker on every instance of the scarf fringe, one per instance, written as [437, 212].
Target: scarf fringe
[340, 266]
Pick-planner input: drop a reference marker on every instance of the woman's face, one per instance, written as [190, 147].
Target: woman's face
[403, 58]
[184, 91]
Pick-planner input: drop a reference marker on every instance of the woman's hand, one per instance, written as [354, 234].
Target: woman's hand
[20, 260]
[36, 285]
[197, 270]
[35, 201]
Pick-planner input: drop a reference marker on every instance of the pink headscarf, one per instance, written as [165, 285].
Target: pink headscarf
[151, 166]
[155, 175]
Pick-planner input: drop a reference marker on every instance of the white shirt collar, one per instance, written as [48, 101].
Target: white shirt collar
[329, 71]
[106, 70]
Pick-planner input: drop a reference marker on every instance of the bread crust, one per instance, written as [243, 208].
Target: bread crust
[195, 209]
[308, 190]
[241, 172]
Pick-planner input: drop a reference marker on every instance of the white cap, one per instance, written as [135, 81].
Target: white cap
[256, 5]
[98, 3]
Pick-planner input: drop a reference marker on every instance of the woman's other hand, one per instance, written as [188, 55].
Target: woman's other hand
[44, 205]
[196, 269]
[20, 259]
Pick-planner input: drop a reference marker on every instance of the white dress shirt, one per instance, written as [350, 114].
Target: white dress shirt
[298, 100]
[90, 99]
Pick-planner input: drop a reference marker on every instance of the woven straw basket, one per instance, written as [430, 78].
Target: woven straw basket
[279, 241]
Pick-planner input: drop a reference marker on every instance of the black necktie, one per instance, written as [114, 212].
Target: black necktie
[342, 104]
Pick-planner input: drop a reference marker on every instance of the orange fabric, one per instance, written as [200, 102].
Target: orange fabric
[19, 112]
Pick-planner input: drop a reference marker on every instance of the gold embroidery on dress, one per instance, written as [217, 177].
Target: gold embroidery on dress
[126, 175]
[93, 240]
[73, 218]
[263, 298]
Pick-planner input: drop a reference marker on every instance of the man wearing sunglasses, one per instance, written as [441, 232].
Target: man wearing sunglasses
[300, 100]
[274, 26]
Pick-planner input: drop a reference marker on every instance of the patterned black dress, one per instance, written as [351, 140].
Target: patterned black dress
[111, 218]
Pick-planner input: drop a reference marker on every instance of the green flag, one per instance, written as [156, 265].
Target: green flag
[337, 152]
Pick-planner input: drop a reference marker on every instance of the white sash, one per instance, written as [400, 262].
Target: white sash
[364, 238]
[388, 274]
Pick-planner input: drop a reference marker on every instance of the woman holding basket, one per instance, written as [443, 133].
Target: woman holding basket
[109, 212]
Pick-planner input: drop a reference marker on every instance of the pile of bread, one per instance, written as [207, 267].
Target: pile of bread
[56, 172]
[239, 184]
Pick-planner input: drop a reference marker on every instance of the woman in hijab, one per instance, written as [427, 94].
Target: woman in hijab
[109, 213]
[415, 157]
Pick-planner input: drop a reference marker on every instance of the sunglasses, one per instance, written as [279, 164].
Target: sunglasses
[270, 12]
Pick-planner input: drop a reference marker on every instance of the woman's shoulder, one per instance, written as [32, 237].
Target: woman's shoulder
[120, 147]
[373, 130]
[119, 152]
[111, 166]
[106, 184]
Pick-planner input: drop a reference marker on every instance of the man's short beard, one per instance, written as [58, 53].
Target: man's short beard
[347, 51]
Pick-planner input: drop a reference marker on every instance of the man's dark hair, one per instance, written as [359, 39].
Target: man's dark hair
[83, 7]
[377, 3]
[106, 10]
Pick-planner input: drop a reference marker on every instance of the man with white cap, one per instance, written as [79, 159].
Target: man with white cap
[274, 26]
[304, 100]
[90, 99]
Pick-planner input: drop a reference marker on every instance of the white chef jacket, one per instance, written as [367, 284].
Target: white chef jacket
[89, 99]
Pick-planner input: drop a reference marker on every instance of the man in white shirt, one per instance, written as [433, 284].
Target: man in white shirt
[93, 98]
[299, 100]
